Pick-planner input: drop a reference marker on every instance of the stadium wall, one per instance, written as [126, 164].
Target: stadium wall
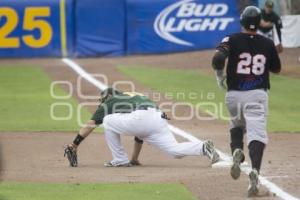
[74, 28]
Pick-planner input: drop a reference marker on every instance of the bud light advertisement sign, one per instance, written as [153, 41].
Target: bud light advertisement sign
[172, 26]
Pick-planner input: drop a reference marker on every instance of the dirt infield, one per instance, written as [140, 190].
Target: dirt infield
[38, 157]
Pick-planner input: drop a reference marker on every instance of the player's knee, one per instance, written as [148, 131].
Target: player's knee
[174, 153]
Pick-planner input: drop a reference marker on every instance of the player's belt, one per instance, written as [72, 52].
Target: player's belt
[265, 89]
[141, 107]
[147, 107]
[144, 107]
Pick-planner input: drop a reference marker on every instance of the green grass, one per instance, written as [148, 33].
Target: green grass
[24, 191]
[284, 101]
[25, 102]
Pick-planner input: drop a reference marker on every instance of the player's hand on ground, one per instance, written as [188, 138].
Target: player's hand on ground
[135, 163]
[71, 153]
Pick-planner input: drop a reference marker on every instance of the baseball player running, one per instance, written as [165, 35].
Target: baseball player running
[135, 115]
[250, 58]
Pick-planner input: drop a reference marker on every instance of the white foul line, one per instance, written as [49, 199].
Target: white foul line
[246, 169]
[84, 74]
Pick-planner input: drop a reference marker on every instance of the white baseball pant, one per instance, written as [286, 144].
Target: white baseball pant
[148, 126]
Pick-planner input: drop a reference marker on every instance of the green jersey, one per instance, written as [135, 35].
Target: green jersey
[122, 103]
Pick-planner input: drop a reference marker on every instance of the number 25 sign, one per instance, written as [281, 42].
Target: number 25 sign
[35, 19]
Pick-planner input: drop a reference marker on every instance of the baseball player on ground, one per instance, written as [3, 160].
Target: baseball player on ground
[250, 58]
[269, 19]
[135, 115]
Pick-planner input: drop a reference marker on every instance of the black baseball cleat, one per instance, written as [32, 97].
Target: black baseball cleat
[238, 156]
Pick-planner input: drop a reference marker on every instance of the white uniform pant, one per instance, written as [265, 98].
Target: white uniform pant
[148, 126]
[248, 110]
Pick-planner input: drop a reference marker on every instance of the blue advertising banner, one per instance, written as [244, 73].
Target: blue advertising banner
[34, 28]
[100, 28]
[170, 26]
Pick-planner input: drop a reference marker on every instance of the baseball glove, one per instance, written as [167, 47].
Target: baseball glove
[71, 154]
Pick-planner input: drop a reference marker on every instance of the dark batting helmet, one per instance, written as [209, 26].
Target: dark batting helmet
[105, 94]
[250, 18]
